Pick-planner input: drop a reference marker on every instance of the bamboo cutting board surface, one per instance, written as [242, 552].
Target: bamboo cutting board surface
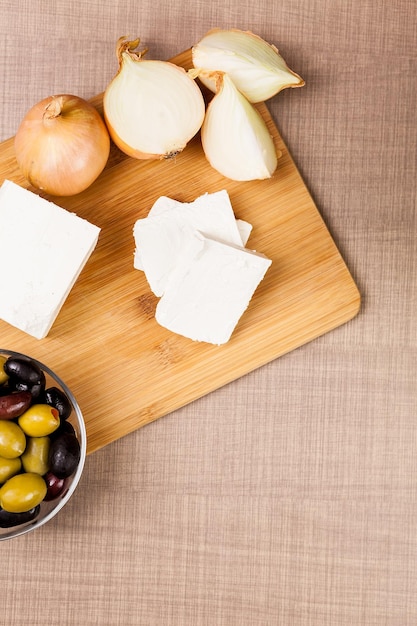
[106, 343]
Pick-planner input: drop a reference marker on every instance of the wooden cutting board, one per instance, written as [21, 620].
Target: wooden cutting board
[127, 371]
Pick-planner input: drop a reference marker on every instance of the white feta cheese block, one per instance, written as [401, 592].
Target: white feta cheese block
[44, 248]
[161, 237]
[210, 289]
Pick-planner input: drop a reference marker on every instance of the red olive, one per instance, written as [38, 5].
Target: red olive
[14, 404]
[54, 486]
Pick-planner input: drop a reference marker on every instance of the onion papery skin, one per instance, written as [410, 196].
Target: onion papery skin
[235, 138]
[62, 145]
[152, 108]
[255, 66]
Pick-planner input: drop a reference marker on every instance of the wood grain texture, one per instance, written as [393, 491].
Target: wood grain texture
[105, 339]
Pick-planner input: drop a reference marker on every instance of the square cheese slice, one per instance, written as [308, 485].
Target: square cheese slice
[161, 237]
[44, 248]
[164, 203]
[209, 289]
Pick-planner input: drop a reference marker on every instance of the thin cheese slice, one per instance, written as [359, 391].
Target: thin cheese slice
[245, 230]
[164, 203]
[161, 237]
[44, 248]
[210, 289]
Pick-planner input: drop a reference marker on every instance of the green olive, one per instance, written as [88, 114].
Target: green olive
[3, 375]
[22, 492]
[12, 439]
[9, 467]
[39, 420]
[35, 457]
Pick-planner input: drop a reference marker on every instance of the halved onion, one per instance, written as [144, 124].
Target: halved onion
[152, 108]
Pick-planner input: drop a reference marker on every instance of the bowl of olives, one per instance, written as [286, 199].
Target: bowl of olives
[43, 444]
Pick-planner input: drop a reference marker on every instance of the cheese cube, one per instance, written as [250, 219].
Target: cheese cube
[161, 237]
[209, 289]
[44, 248]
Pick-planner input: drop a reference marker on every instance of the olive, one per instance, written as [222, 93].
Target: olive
[24, 369]
[3, 375]
[8, 520]
[12, 440]
[36, 389]
[64, 455]
[9, 467]
[22, 492]
[57, 398]
[35, 457]
[54, 485]
[14, 404]
[39, 420]
[64, 427]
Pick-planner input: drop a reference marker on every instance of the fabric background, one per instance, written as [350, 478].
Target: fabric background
[289, 496]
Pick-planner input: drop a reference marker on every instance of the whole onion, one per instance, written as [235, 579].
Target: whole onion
[62, 145]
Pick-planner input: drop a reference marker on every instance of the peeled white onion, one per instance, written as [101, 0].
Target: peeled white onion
[234, 136]
[255, 66]
[62, 145]
[152, 108]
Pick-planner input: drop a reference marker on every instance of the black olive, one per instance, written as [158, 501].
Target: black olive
[24, 369]
[57, 398]
[36, 389]
[5, 390]
[8, 520]
[64, 427]
[64, 455]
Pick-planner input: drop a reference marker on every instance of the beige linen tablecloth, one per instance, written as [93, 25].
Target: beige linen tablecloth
[289, 496]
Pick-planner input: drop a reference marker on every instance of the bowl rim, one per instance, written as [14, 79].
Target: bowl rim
[37, 523]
